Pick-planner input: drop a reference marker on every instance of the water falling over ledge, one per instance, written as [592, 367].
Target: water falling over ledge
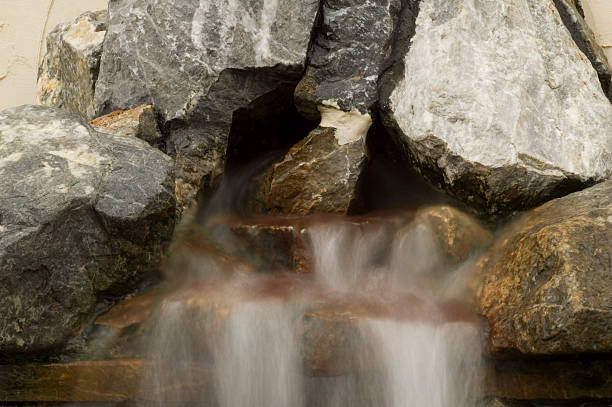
[379, 320]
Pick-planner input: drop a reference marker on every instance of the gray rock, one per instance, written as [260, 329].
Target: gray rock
[495, 103]
[137, 122]
[545, 285]
[196, 62]
[82, 214]
[339, 88]
[587, 42]
[68, 72]
[349, 53]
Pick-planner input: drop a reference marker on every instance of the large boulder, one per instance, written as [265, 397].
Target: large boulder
[494, 102]
[545, 285]
[83, 214]
[197, 62]
[350, 50]
[69, 70]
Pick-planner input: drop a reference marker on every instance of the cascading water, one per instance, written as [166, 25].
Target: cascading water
[375, 324]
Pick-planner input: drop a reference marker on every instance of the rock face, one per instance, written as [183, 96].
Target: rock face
[138, 122]
[68, 73]
[320, 173]
[83, 214]
[573, 18]
[546, 284]
[197, 62]
[497, 105]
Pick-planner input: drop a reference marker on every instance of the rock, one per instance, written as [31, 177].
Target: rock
[68, 72]
[574, 380]
[454, 232]
[573, 18]
[479, 80]
[544, 286]
[84, 214]
[138, 122]
[349, 53]
[320, 173]
[197, 62]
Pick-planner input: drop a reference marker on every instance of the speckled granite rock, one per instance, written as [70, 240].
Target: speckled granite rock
[82, 214]
[196, 62]
[68, 72]
[497, 105]
[137, 122]
[545, 285]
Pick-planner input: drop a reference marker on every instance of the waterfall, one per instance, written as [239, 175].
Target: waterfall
[380, 312]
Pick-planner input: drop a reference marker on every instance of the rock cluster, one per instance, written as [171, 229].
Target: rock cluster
[152, 106]
[82, 214]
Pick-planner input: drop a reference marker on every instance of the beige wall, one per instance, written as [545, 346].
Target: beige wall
[24, 24]
[598, 14]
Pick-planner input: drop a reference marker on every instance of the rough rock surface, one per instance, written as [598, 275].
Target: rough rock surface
[455, 233]
[82, 214]
[68, 73]
[339, 88]
[197, 62]
[495, 103]
[545, 285]
[587, 42]
[318, 174]
[138, 122]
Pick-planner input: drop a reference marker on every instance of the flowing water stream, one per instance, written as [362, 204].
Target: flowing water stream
[378, 322]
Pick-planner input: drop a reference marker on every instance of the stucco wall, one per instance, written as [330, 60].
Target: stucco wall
[598, 14]
[24, 24]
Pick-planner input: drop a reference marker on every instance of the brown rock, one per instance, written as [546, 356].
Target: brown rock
[456, 233]
[318, 175]
[545, 286]
[138, 122]
[545, 379]
[68, 72]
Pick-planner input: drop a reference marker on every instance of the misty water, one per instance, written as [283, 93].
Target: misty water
[379, 321]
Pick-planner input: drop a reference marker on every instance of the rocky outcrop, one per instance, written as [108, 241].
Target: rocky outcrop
[572, 17]
[83, 214]
[197, 62]
[138, 122]
[545, 286]
[479, 81]
[320, 173]
[68, 73]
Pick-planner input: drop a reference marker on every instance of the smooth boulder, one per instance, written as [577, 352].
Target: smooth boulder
[197, 62]
[495, 103]
[545, 286]
[83, 215]
[69, 70]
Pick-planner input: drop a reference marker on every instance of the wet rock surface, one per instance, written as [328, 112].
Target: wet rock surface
[466, 106]
[69, 70]
[83, 214]
[197, 65]
[545, 286]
